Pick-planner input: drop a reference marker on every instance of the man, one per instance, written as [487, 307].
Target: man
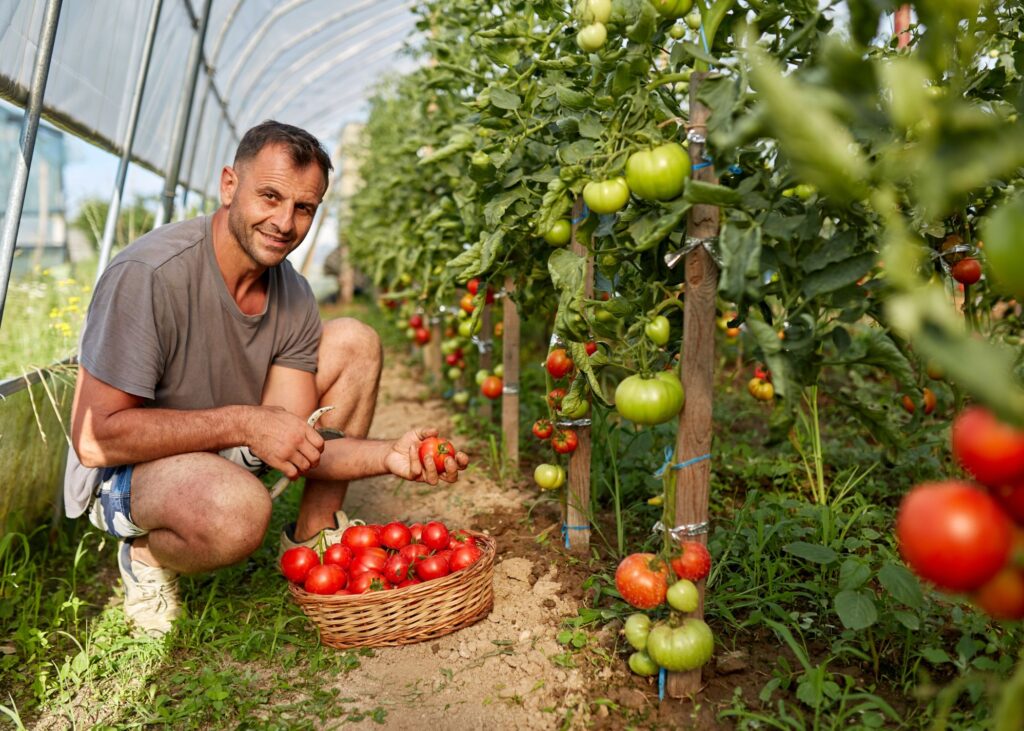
[201, 358]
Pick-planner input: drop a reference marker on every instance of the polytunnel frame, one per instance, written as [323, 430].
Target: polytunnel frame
[34, 109]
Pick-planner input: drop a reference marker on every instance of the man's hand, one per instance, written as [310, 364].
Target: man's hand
[284, 441]
[403, 460]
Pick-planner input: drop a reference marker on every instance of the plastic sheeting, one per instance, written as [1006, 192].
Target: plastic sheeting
[306, 62]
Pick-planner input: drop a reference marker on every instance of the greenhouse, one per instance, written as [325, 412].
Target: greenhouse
[519, 364]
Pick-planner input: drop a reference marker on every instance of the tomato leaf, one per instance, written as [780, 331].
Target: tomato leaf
[838, 275]
[901, 584]
[698, 53]
[715, 195]
[505, 99]
[461, 139]
[740, 251]
[651, 228]
[578, 351]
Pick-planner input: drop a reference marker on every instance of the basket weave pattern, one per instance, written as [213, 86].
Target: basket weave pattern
[408, 615]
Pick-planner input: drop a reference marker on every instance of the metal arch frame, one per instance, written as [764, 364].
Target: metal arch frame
[296, 66]
[281, 50]
[330, 64]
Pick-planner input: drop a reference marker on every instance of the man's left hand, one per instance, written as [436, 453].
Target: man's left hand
[403, 460]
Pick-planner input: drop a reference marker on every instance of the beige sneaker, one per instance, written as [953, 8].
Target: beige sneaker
[331, 535]
[150, 594]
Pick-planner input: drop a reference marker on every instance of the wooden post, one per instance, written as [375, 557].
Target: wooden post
[432, 360]
[486, 358]
[698, 367]
[510, 363]
[577, 503]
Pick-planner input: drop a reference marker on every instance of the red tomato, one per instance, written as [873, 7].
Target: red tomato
[416, 322]
[466, 303]
[543, 428]
[1002, 596]
[414, 551]
[966, 271]
[492, 387]
[325, 579]
[360, 536]
[395, 535]
[460, 538]
[642, 580]
[422, 335]
[591, 347]
[296, 563]
[435, 536]
[987, 448]
[473, 286]
[953, 534]
[338, 554]
[411, 581]
[432, 567]
[436, 449]
[369, 559]
[555, 397]
[694, 563]
[559, 363]
[397, 569]
[565, 441]
[1011, 497]
[366, 581]
[416, 531]
[464, 556]
[451, 359]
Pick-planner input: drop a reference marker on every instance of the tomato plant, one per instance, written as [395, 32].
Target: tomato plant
[966, 271]
[658, 174]
[606, 196]
[549, 476]
[658, 329]
[651, 400]
[686, 647]
[683, 596]
[636, 629]
[642, 580]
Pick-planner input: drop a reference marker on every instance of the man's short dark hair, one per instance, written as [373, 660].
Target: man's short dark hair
[303, 147]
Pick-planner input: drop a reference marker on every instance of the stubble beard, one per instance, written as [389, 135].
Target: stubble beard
[247, 240]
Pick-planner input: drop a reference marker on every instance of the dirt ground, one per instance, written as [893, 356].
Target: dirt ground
[508, 671]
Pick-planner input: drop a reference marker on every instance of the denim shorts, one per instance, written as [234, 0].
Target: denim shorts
[110, 510]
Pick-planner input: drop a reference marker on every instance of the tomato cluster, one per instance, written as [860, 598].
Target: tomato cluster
[681, 642]
[969, 536]
[381, 557]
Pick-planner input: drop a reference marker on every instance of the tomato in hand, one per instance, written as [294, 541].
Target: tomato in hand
[396, 535]
[435, 536]
[694, 561]
[559, 363]
[437, 449]
[492, 387]
[987, 448]
[642, 580]
[953, 534]
[543, 428]
[325, 579]
[296, 563]
[565, 441]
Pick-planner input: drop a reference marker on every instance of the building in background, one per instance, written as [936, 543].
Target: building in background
[43, 235]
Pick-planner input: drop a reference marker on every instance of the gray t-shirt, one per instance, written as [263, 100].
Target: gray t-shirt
[162, 326]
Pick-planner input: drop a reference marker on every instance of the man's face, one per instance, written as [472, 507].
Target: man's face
[271, 203]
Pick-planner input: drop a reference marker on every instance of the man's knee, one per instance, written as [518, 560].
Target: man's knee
[347, 341]
[237, 520]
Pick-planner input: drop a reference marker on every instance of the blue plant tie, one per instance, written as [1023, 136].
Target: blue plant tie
[705, 39]
[735, 169]
[662, 675]
[705, 164]
[567, 528]
[667, 464]
[583, 215]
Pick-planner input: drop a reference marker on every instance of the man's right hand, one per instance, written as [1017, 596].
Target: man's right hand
[284, 441]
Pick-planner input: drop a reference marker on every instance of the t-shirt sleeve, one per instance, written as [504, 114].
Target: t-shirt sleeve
[120, 342]
[302, 329]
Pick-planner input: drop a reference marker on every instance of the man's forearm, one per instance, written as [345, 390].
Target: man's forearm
[352, 459]
[142, 435]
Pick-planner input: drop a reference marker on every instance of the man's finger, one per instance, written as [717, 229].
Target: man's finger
[430, 471]
[463, 460]
[415, 468]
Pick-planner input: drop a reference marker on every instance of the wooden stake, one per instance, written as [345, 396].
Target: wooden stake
[698, 367]
[510, 362]
[432, 359]
[577, 504]
[486, 357]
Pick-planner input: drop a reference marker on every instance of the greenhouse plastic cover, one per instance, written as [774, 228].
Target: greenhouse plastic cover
[311, 63]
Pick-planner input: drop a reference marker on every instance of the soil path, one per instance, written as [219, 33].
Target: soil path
[501, 673]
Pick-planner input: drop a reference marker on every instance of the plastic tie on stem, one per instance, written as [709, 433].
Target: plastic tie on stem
[673, 258]
[662, 677]
[584, 214]
[686, 530]
[566, 528]
[482, 346]
[575, 423]
[510, 389]
[667, 464]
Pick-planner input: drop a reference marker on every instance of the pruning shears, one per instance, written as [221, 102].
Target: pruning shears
[282, 483]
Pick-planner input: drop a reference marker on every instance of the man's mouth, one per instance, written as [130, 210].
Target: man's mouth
[276, 239]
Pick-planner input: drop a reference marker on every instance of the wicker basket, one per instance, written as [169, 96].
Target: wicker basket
[408, 615]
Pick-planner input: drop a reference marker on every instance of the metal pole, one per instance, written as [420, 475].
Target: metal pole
[29, 127]
[184, 111]
[195, 141]
[114, 210]
[212, 165]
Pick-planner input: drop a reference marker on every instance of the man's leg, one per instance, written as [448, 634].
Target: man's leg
[202, 512]
[348, 377]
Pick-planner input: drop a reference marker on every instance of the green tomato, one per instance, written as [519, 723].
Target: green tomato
[499, 370]
[579, 412]
[649, 400]
[694, 20]
[594, 11]
[672, 8]
[481, 375]
[1004, 246]
[659, 174]
[677, 32]
[658, 329]
[642, 664]
[606, 196]
[549, 476]
[592, 37]
[461, 397]
[637, 627]
[410, 333]
[466, 331]
[682, 648]
[804, 191]
[560, 233]
[454, 373]
[449, 346]
[683, 596]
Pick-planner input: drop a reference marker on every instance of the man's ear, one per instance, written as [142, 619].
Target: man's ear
[228, 185]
